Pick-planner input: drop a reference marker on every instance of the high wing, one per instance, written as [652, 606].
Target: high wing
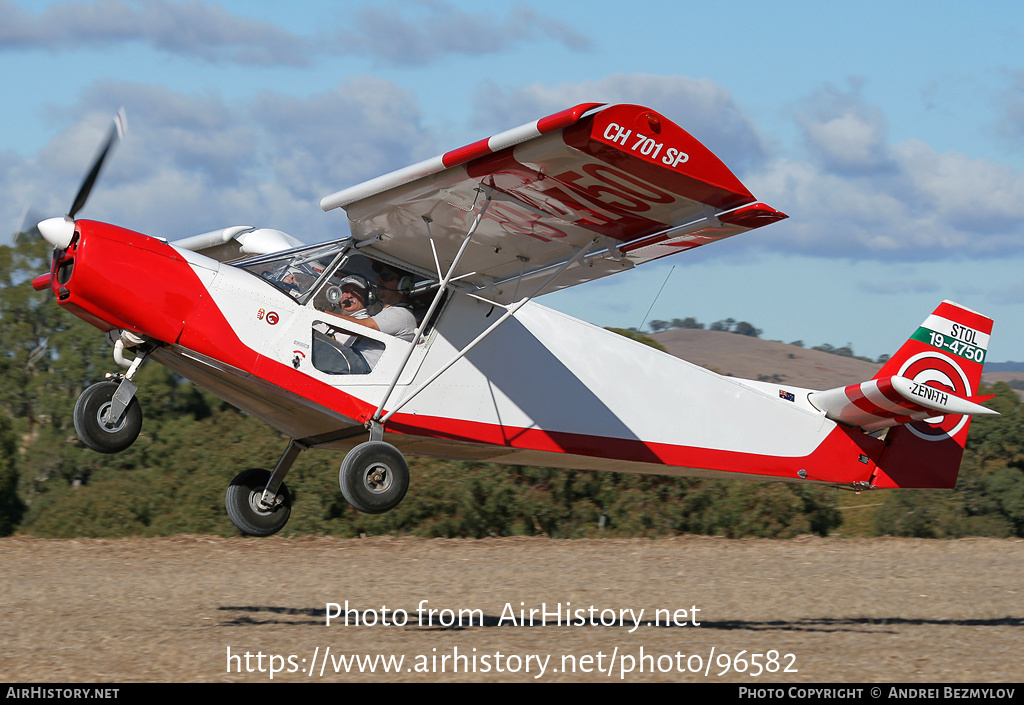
[620, 181]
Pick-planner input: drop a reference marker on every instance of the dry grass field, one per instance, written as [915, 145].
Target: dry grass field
[835, 610]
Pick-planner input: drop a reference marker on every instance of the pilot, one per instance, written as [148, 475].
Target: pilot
[355, 295]
[395, 318]
[333, 350]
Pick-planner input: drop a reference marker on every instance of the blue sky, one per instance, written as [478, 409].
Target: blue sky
[892, 133]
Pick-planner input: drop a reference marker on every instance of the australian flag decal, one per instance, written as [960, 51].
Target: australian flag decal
[788, 396]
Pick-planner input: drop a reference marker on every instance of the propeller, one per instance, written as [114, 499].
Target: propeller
[59, 231]
[26, 224]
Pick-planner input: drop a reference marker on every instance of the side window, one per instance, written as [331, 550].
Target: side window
[339, 352]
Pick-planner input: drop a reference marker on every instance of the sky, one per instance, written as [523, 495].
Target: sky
[891, 133]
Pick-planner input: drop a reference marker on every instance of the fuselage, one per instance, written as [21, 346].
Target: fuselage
[542, 389]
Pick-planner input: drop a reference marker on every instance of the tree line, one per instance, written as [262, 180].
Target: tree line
[173, 479]
[727, 325]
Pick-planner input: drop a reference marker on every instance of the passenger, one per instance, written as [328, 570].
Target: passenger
[298, 278]
[290, 283]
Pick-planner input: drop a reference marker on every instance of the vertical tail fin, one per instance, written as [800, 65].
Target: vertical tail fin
[946, 352]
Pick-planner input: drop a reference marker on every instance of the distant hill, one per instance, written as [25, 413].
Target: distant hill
[753, 358]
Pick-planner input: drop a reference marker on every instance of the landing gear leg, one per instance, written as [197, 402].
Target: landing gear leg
[257, 501]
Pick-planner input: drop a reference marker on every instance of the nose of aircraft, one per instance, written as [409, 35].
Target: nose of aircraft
[57, 231]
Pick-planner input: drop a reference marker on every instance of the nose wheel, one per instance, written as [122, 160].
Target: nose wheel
[374, 477]
[96, 420]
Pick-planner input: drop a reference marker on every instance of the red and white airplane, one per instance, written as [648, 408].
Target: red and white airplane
[461, 244]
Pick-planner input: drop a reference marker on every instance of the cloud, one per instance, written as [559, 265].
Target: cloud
[414, 33]
[193, 28]
[843, 133]
[849, 190]
[900, 285]
[860, 195]
[195, 162]
[327, 141]
[1010, 123]
[408, 33]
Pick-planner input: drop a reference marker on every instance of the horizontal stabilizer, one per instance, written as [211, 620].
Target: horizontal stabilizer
[891, 401]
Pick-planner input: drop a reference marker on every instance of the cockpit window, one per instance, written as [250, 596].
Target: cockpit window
[297, 272]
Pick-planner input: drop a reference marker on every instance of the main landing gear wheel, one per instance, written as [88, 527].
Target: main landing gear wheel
[246, 510]
[374, 477]
[93, 423]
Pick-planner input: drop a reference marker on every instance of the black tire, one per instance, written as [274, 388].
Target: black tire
[92, 413]
[374, 477]
[241, 502]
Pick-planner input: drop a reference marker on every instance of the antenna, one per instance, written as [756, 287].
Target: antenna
[641, 327]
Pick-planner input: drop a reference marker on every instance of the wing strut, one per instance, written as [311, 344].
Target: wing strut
[376, 421]
[509, 312]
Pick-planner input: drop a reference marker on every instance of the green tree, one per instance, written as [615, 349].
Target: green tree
[11, 507]
[744, 328]
[639, 337]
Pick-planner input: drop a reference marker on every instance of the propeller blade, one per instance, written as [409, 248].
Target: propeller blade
[116, 133]
[26, 223]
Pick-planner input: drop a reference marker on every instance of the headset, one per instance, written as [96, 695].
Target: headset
[405, 281]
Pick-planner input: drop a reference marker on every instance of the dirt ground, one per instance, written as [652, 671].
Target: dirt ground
[189, 609]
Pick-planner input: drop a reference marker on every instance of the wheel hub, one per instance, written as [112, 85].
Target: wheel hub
[257, 505]
[103, 419]
[377, 478]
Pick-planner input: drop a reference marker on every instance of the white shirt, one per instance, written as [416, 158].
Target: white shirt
[397, 320]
